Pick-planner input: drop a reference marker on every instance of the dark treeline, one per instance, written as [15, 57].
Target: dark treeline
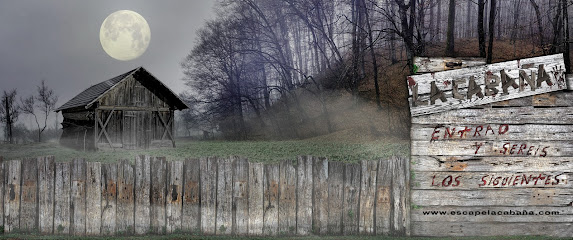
[260, 63]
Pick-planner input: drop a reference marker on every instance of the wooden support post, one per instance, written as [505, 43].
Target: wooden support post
[174, 196]
[287, 198]
[256, 198]
[208, 169]
[78, 199]
[367, 197]
[46, 181]
[142, 195]
[12, 195]
[93, 198]
[191, 197]
[304, 195]
[158, 195]
[29, 198]
[109, 198]
[224, 218]
[241, 196]
[335, 197]
[2, 187]
[125, 198]
[320, 207]
[271, 199]
[383, 196]
[62, 210]
[351, 198]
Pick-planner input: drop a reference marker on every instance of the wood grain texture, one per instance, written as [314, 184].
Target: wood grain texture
[287, 199]
[271, 199]
[256, 203]
[514, 115]
[367, 197]
[401, 196]
[158, 195]
[46, 181]
[62, 194]
[494, 148]
[493, 197]
[29, 195]
[304, 195]
[241, 196]
[459, 229]
[12, 181]
[536, 132]
[224, 202]
[191, 215]
[438, 64]
[142, 216]
[320, 197]
[174, 205]
[125, 198]
[455, 181]
[93, 198]
[2, 188]
[351, 201]
[384, 196]
[493, 164]
[208, 170]
[109, 194]
[493, 214]
[335, 197]
[78, 197]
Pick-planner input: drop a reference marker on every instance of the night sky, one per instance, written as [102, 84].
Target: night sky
[58, 41]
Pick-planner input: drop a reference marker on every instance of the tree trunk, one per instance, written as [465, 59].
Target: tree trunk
[468, 20]
[539, 25]
[373, 55]
[450, 34]
[393, 38]
[566, 36]
[439, 21]
[491, 31]
[481, 32]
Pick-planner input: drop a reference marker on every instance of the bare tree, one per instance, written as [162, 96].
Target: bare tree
[450, 33]
[566, 36]
[9, 112]
[481, 31]
[491, 31]
[45, 101]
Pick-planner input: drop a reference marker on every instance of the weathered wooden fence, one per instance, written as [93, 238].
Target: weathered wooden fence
[206, 196]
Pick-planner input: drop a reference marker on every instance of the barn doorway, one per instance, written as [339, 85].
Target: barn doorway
[136, 129]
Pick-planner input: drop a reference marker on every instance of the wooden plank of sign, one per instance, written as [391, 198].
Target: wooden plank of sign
[494, 148]
[208, 175]
[256, 198]
[335, 197]
[461, 229]
[471, 88]
[320, 203]
[304, 195]
[502, 214]
[351, 198]
[492, 164]
[287, 198]
[569, 78]
[29, 198]
[12, 181]
[494, 197]
[367, 197]
[438, 64]
[158, 195]
[109, 198]
[62, 203]
[455, 181]
[475, 132]
[174, 197]
[125, 198]
[241, 196]
[78, 189]
[93, 198]
[271, 199]
[224, 202]
[191, 197]
[142, 194]
[46, 178]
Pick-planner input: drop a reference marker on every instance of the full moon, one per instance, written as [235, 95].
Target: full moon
[124, 35]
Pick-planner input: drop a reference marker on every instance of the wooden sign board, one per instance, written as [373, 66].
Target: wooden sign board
[438, 64]
[478, 85]
[504, 169]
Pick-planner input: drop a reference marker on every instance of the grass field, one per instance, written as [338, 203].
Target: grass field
[258, 151]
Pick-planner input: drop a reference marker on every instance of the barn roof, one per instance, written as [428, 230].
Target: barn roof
[93, 93]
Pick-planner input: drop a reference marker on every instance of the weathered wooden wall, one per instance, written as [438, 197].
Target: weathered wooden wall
[206, 196]
[504, 158]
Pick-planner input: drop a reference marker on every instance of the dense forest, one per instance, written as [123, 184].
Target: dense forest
[278, 69]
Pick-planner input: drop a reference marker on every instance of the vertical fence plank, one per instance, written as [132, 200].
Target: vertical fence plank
[241, 196]
[29, 197]
[287, 198]
[62, 195]
[174, 196]
[320, 188]
[304, 195]
[367, 197]
[270, 199]
[208, 168]
[400, 196]
[2, 172]
[158, 195]
[351, 198]
[78, 193]
[46, 179]
[12, 195]
[142, 194]
[108, 198]
[125, 198]
[256, 198]
[383, 191]
[191, 196]
[335, 197]
[224, 196]
[93, 198]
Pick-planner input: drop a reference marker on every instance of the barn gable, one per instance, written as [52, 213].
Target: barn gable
[133, 110]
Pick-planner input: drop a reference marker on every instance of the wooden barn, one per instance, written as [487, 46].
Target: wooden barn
[131, 111]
